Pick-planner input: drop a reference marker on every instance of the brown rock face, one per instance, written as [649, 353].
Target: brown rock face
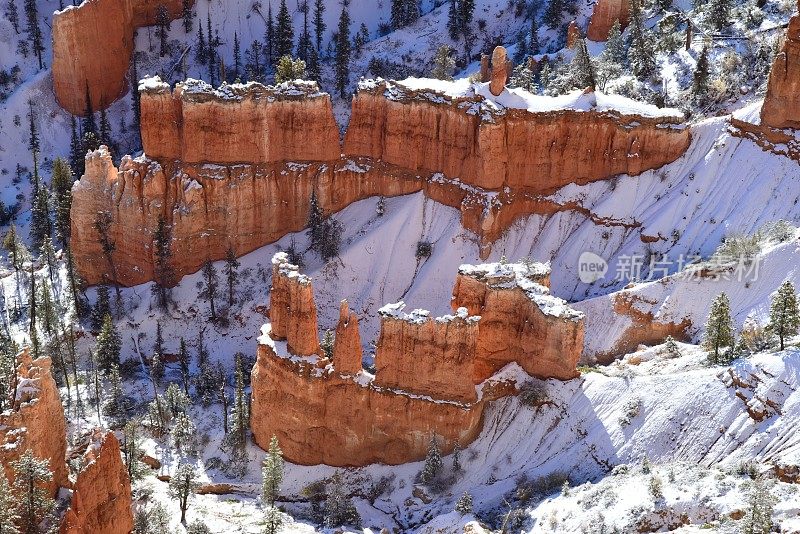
[35, 422]
[93, 46]
[517, 149]
[573, 34]
[347, 344]
[500, 71]
[430, 357]
[292, 310]
[605, 13]
[781, 107]
[520, 322]
[101, 496]
[249, 123]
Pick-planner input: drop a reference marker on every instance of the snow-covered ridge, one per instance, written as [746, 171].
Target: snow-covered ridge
[198, 90]
[290, 270]
[476, 98]
[419, 316]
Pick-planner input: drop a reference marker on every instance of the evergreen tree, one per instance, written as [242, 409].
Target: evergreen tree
[76, 154]
[61, 191]
[342, 67]
[32, 332]
[41, 225]
[177, 401]
[131, 451]
[186, 12]
[237, 57]
[272, 472]
[253, 66]
[642, 50]
[34, 30]
[105, 130]
[464, 504]
[319, 22]
[164, 272]
[315, 220]
[101, 308]
[284, 32]
[289, 69]
[327, 344]
[719, 331]
[201, 52]
[582, 69]
[671, 348]
[135, 101]
[433, 463]
[269, 37]
[241, 416]
[31, 475]
[197, 527]
[457, 458]
[553, 13]
[609, 63]
[87, 123]
[615, 46]
[314, 69]
[13, 15]
[182, 486]
[719, 14]
[163, 23]
[115, 403]
[443, 64]
[339, 509]
[17, 253]
[524, 77]
[211, 51]
[700, 78]
[10, 518]
[209, 288]
[223, 396]
[304, 43]
[404, 12]
[109, 344]
[184, 359]
[231, 272]
[273, 520]
[784, 316]
[361, 38]
[453, 20]
[183, 434]
[533, 36]
[758, 516]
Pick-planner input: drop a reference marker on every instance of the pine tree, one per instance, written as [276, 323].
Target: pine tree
[524, 77]
[339, 509]
[240, 417]
[210, 284]
[314, 69]
[642, 50]
[135, 101]
[609, 63]
[453, 20]
[10, 518]
[13, 15]
[615, 46]
[41, 225]
[273, 520]
[327, 344]
[553, 14]
[201, 52]
[433, 463]
[404, 12]
[288, 69]
[319, 22]
[212, 52]
[183, 434]
[163, 23]
[671, 348]
[784, 316]
[272, 472]
[87, 123]
[131, 451]
[719, 14]
[61, 191]
[184, 359]
[758, 516]
[186, 11]
[700, 78]
[223, 396]
[443, 64]
[269, 36]
[101, 308]
[115, 403]
[237, 57]
[109, 344]
[342, 66]
[105, 129]
[17, 253]
[583, 74]
[464, 504]
[719, 331]
[31, 475]
[34, 30]
[457, 458]
[32, 329]
[361, 38]
[315, 220]
[182, 486]
[231, 271]
[177, 401]
[304, 43]
[162, 252]
[533, 36]
[284, 32]
[76, 155]
[253, 67]
[157, 361]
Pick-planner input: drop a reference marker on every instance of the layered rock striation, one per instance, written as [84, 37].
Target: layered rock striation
[429, 379]
[101, 495]
[781, 107]
[93, 46]
[35, 422]
[605, 14]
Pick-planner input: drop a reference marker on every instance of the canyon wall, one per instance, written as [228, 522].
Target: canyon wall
[237, 123]
[429, 378]
[604, 14]
[493, 148]
[93, 47]
[781, 107]
[520, 320]
[101, 496]
[35, 422]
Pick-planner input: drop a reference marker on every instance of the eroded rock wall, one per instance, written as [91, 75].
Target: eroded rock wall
[101, 496]
[292, 311]
[93, 46]
[604, 14]
[429, 132]
[781, 107]
[35, 422]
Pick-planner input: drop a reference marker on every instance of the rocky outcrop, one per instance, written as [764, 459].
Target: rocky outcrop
[237, 123]
[35, 422]
[101, 496]
[93, 46]
[501, 70]
[573, 34]
[493, 148]
[433, 357]
[519, 320]
[605, 13]
[429, 380]
[293, 312]
[781, 107]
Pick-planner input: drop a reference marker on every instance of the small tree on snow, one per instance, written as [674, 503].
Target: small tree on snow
[464, 504]
[784, 316]
[273, 520]
[182, 486]
[719, 330]
[339, 509]
[289, 69]
[700, 78]
[36, 505]
[9, 508]
[272, 472]
[758, 516]
[231, 272]
[671, 348]
[209, 286]
[443, 64]
[433, 462]
[327, 344]
[109, 344]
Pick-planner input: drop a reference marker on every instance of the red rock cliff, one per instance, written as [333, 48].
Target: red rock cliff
[101, 496]
[93, 46]
[520, 320]
[237, 123]
[492, 147]
[781, 107]
[36, 421]
[605, 13]
[293, 312]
